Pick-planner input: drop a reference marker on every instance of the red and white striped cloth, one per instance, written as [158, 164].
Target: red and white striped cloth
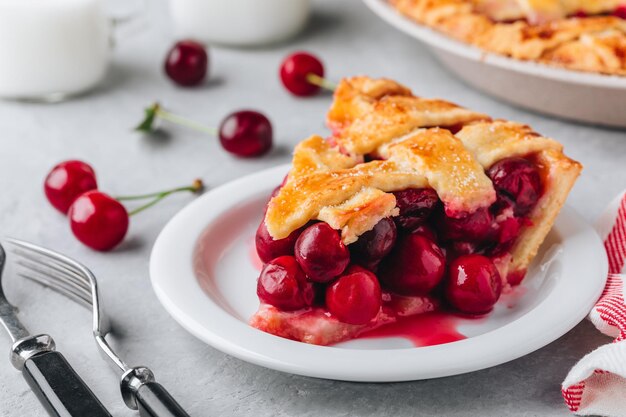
[596, 385]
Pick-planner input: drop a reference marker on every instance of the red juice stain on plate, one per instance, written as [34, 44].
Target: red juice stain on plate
[254, 256]
[427, 329]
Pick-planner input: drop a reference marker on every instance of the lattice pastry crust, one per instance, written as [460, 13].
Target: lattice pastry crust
[594, 43]
[422, 143]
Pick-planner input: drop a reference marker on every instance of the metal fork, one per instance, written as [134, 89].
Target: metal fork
[70, 278]
[57, 386]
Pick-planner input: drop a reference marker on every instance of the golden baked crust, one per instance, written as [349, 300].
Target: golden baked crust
[592, 44]
[538, 11]
[330, 180]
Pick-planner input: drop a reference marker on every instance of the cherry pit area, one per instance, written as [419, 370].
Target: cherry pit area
[204, 270]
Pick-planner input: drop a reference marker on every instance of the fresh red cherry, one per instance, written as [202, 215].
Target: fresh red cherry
[186, 63]
[518, 179]
[268, 248]
[620, 11]
[68, 180]
[282, 283]
[321, 253]
[246, 133]
[98, 221]
[295, 73]
[372, 246]
[415, 205]
[469, 227]
[415, 266]
[474, 284]
[354, 298]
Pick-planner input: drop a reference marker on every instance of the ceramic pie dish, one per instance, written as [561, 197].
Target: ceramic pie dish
[203, 271]
[416, 223]
[578, 96]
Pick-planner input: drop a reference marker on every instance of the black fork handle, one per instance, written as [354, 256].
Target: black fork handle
[59, 388]
[153, 400]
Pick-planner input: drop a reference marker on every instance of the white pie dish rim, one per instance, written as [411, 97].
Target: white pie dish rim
[576, 287]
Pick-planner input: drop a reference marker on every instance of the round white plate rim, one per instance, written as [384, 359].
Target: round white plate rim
[187, 303]
[442, 41]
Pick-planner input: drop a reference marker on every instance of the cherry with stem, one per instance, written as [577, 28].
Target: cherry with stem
[245, 133]
[302, 74]
[101, 222]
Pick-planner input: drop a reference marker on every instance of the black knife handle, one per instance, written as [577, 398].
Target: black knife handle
[59, 388]
[154, 401]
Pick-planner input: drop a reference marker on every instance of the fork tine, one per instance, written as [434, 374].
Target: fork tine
[54, 272]
[51, 278]
[43, 267]
[36, 256]
[57, 287]
[72, 279]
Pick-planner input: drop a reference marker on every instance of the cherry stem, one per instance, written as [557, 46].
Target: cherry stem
[183, 121]
[321, 82]
[196, 187]
[155, 111]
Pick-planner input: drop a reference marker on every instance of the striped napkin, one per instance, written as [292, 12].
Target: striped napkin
[596, 385]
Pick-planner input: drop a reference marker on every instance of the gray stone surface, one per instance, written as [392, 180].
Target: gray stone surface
[96, 128]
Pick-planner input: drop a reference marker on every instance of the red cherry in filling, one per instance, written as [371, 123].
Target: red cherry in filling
[98, 221]
[470, 227]
[415, 266]
[246, 133]
[354, 298]
[282, 283]
[374, 245]
[186, 63]
[295, 70]
[268, 248]
[321, 253]
[474, 284]
[620, 11]
[68, 180]
[518, 179]
[426, 232]
[459, 247]
[415, 205]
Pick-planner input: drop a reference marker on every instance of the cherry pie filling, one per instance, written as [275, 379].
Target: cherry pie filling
[408, 264]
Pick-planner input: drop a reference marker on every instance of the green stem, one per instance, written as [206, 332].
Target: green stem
[146, 206]
[183, 121]
[196, 187]
[320, 82]
[152, 195]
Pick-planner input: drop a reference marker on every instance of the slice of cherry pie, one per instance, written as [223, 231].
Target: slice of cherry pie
[584, 35]
[411, 204]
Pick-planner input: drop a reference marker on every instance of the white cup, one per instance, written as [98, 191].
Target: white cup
[52, 49]
[239, 22]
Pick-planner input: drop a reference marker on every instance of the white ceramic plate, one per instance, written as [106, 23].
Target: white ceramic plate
[584, 97]
[202, 272]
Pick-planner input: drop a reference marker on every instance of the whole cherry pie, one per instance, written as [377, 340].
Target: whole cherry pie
[411, 204]
[585, 35]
